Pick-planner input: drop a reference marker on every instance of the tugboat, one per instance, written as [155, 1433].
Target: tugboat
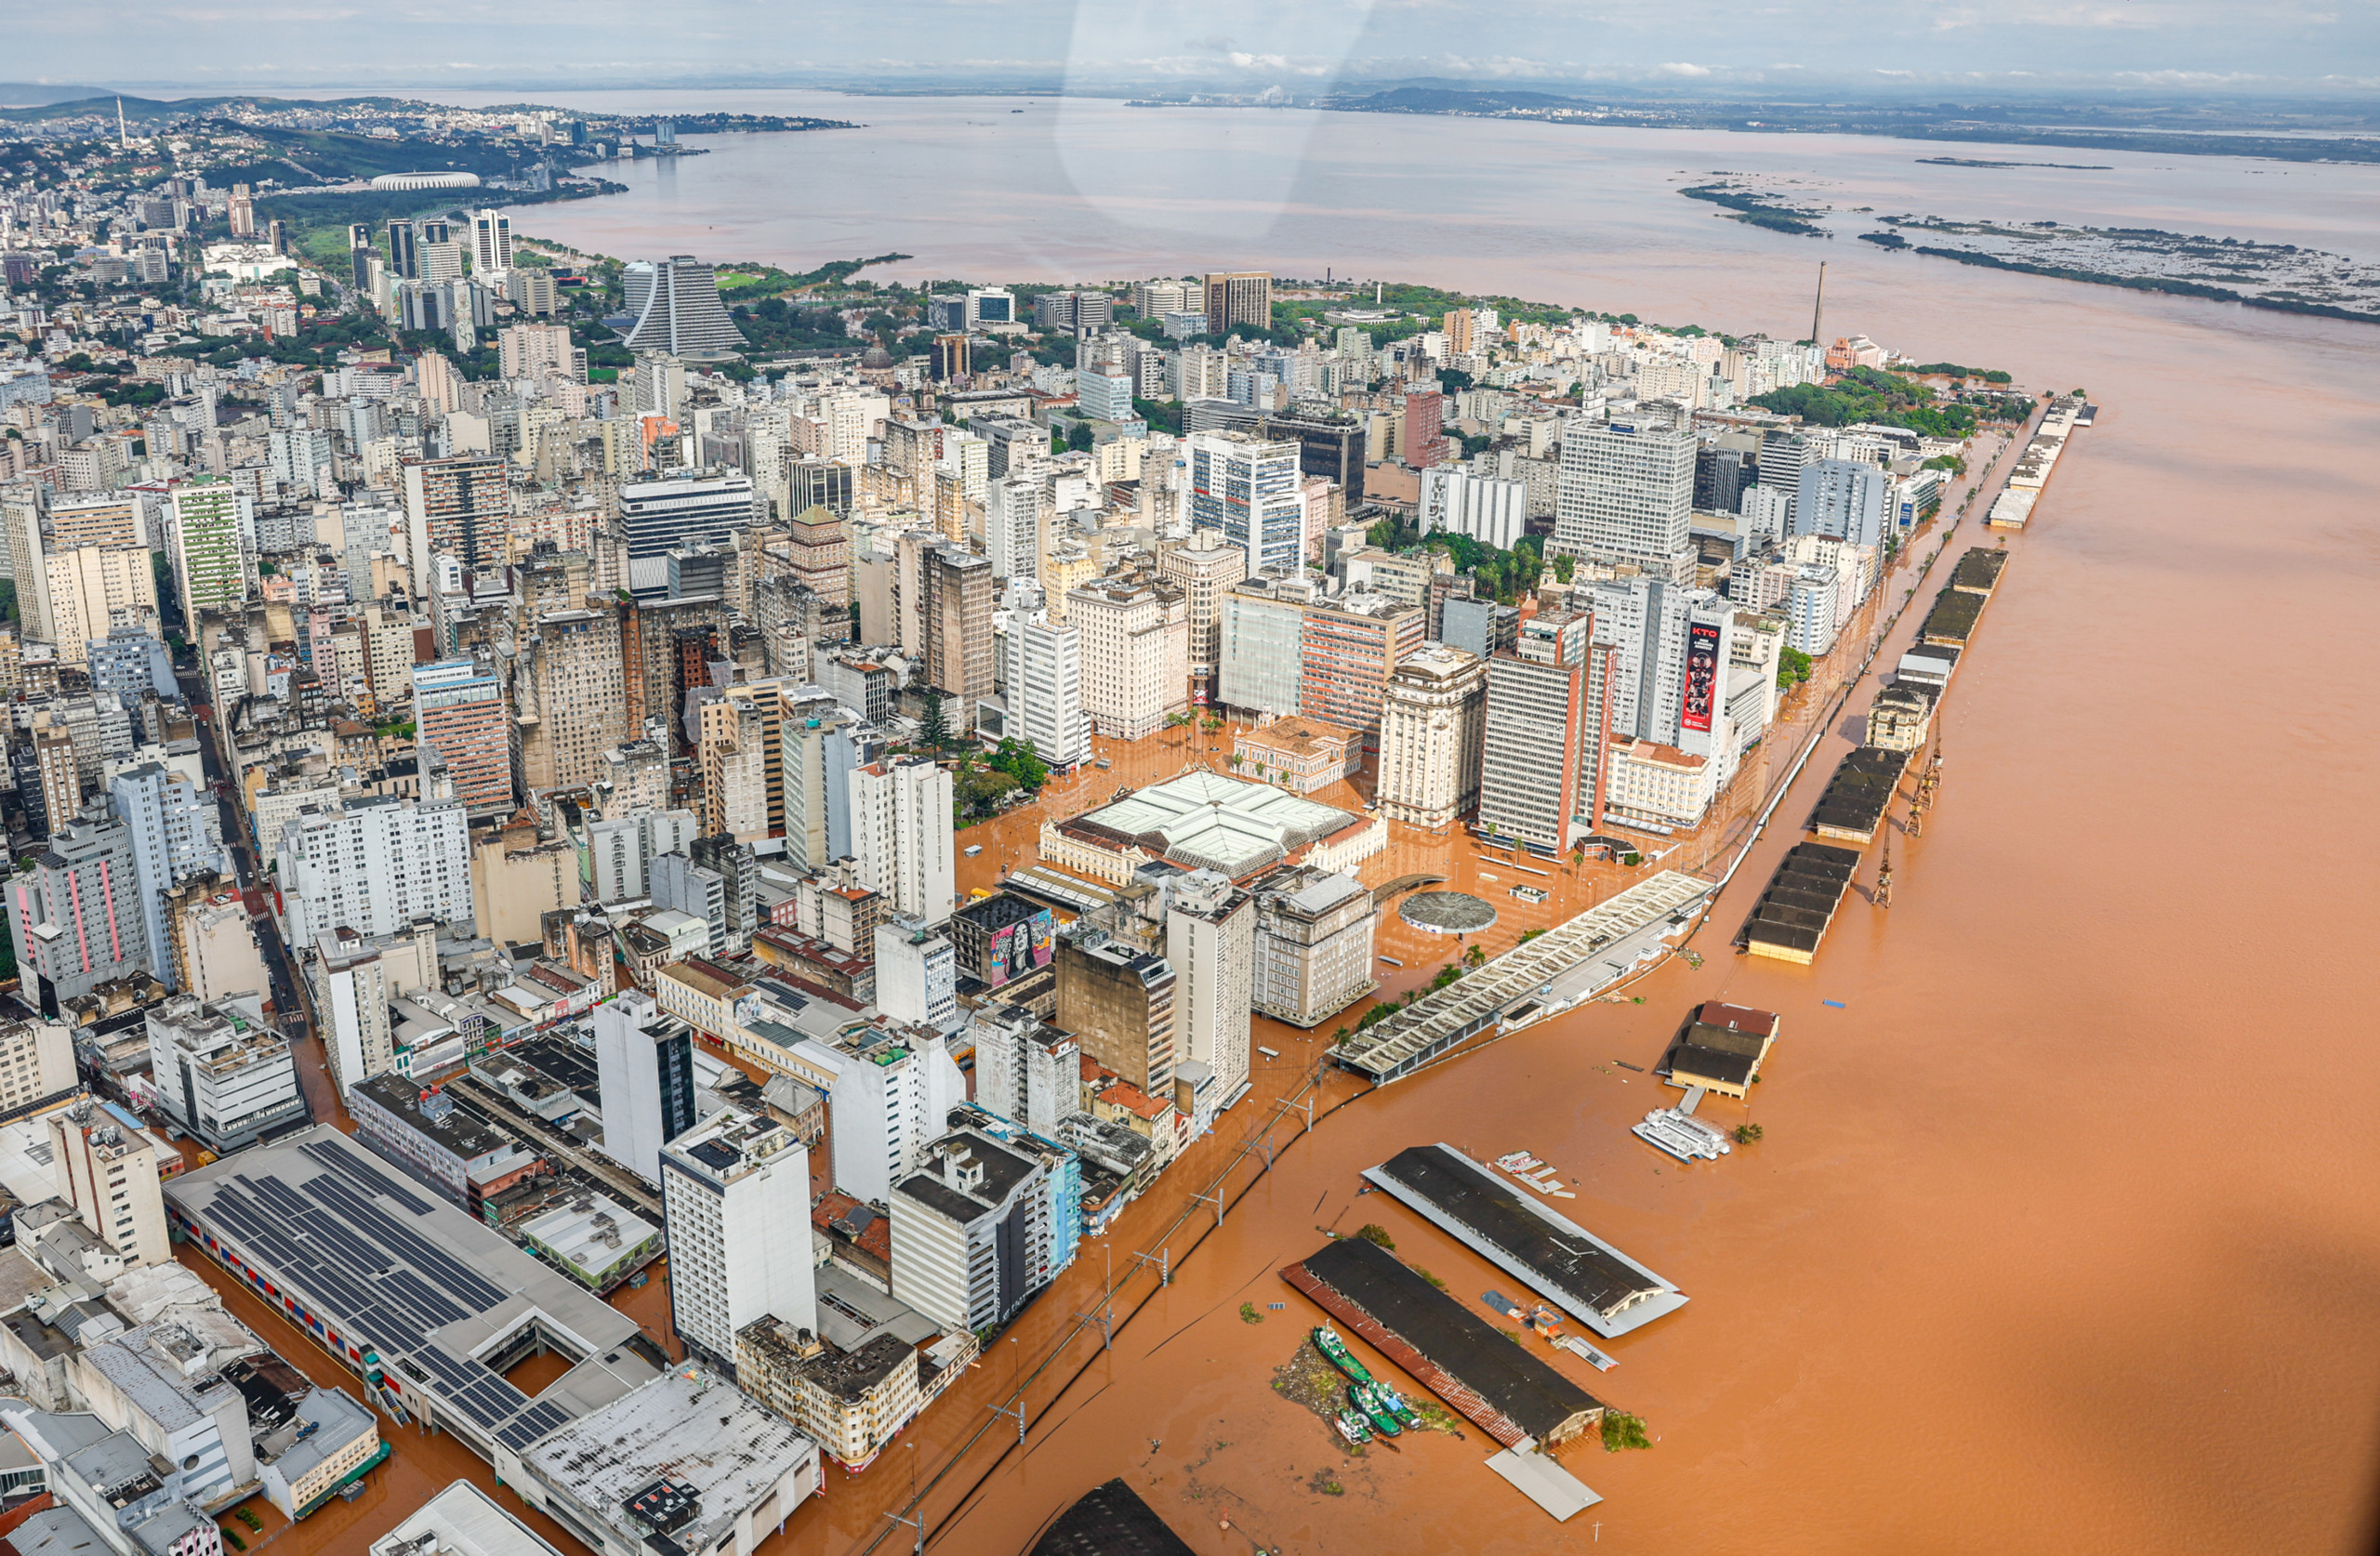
[1334, 1350]
[1405, 1413]
[1354, 1427]
[1365, 1397]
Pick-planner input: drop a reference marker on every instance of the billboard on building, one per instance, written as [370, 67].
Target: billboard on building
[1701, 675]
[1020, 948]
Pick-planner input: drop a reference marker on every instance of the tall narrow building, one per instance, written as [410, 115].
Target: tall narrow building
[1537, 698]
[901, 835]
[736, 1202]
[645, 1064]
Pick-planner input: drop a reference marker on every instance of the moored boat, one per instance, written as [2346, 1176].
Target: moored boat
[1365, 1397]
[1334, 1350]
[1352, 1428]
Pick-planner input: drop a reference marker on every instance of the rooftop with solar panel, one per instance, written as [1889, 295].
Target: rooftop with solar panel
[429, 1305]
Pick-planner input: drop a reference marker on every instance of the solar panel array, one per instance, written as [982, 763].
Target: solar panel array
[393, 1286]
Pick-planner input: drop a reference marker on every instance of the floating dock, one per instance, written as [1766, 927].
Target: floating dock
[1559, 1259]
[1793, 916]
[1860, 794]
[1490, 1381]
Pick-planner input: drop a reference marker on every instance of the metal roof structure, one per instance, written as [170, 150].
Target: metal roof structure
[1438, 1021]
[1232, 824]
[347, 1250]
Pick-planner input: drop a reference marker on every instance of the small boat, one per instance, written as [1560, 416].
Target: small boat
[1499, 1302]
[1396, 1403]
[1335, 1352]
[1366, 1400]
[1354, 1427]
[1516, 1162]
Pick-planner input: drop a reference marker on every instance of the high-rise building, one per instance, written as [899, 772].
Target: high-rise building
[679, 511]
[1432, 732]
[970, 1232]
[353, 987]
[359, 254]
[1533, 748]
[1238, 298]
[1045, 692]
[958, 619]
[1425, 433]
[490, 241]
[75, 912]
[1135, 654]
[459, 713]
[1104, 395]
[644, 1066]
[1210, 944]
[570, 699]
[22, 507]
[1026, 1070]
[1313, 944]
[176, 832]
[536, 352]
[891, 1095]
[1331, 448]
[1626, 494]
[208, 561]
[405, 258]
[901, 835]
[1768, 515]
[104, 1164]
[1845, 498]
[1014, 516]
[949, 360]
[736, 1202]
[678, 311]
[243, 212]
[87, 586]
[1248, 490]
[36, 1067]
[462, 506]
[1119, 1003]
[1348, 648]
[1670, 646]
[1263, 644]
[990, 305]
[374, 865]
[1206, 567]
[916, 975]
[299, 458]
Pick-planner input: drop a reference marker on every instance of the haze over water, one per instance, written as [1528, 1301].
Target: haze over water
[2064, 1236]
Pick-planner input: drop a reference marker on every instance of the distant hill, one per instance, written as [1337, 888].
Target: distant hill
[29, 94]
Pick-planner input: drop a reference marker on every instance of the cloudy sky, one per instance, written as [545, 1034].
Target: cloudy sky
[1727, 45]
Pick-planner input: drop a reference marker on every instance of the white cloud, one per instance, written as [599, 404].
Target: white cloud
[1682, 67]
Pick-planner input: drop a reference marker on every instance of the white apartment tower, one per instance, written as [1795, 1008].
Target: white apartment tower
[352, 1003]
[1249, 490]
[1045, 693]
[1210, 940]
[1625, 493]
[891, 1096]
[901, 835]
[736, 1202]
[375, 866]
[106, 1170]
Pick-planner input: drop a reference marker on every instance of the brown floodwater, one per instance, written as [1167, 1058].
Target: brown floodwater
[2058, 1238]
